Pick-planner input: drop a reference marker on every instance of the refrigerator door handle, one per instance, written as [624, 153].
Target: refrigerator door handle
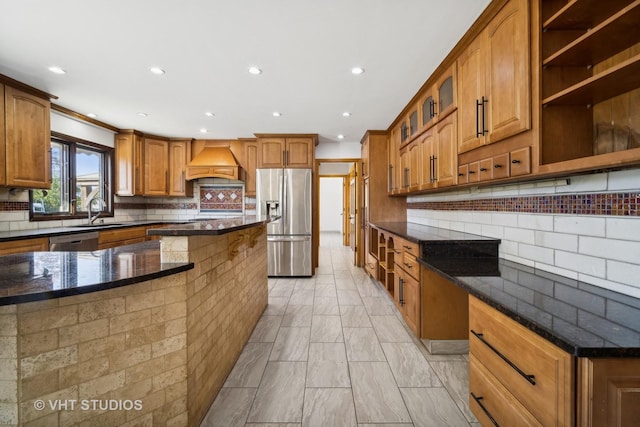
[275, 238]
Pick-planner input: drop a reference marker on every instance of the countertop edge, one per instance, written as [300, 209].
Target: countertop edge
[574, 350]
[168, 231]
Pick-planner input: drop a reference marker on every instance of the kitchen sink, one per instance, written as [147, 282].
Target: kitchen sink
[110, 224]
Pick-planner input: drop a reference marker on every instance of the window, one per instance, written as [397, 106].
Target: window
[80, 174]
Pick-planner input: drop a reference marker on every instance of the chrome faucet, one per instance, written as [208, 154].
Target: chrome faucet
[102, 204]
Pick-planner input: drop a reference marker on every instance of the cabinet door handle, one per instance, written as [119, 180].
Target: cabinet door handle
[478, 104]
[409, 266]
[460, 174]
[390, 178]
[515, 162]
[484, 102]
[478, 400]
[528, 377]
[401, 291]
[497, 166]
[483, 169]
[472, 172]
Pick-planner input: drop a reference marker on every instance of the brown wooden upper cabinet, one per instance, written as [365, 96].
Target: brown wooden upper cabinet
[25, 132]
[179, 156]
[394, 174]
[439, 100]
[285, 151]
[494, 80]
[250, 164]
[156, 167]
[129, 163]
[590, 85]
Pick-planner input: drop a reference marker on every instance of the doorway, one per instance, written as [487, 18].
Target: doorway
[338, 199]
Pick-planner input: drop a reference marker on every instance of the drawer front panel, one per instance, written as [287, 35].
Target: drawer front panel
[500, 166]
[122, 234]
[536, 372]
[371, 266]
[491, 402]
[521, 161]
[410, 265]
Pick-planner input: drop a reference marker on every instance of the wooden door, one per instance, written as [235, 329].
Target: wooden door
[415, 165]
[507, 80]
[271, 152]
[427, 144]
[446, 154]
[179, 156]
[411, 307]
[28, 140]
[156, 167]
[251, 163]
[395, 170]
[405, 168]
[299, 152]
[470, 91]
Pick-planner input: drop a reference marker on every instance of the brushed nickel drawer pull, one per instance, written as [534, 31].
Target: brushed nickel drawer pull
[478, 400]
[528, 377]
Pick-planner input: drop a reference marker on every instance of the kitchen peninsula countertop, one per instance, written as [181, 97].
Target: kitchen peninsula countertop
[34, 276]
[210, 227]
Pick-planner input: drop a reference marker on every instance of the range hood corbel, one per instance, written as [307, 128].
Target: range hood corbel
[214, 162]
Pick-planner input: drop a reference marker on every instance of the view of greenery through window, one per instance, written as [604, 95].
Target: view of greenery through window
[72, 166]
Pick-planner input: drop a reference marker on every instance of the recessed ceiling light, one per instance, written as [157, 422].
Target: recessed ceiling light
[157, 71]
[209, 114]
[357, 70]
[255, 71]
[57, 70]
[203, 130]
[346, 114]
[341, 136]
[276, 114]
[141, 114]
[93, 116]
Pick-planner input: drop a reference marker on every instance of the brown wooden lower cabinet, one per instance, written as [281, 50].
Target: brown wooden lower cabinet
[121, 236]
[516, 377]
[25, 245]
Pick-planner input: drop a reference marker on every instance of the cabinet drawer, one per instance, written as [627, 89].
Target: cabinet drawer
[371, 266]
[490, 401]
[410, 265]
[410, 248]
[463, 174]
[485, 170]
[122, 234]
[537, 373]
[521, 161]
[474, 172]
[500, 166]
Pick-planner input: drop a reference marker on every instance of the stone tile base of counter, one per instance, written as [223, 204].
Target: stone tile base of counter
[152, 353]
[446, 346]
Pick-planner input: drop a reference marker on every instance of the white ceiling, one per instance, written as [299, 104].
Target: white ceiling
[305, 48]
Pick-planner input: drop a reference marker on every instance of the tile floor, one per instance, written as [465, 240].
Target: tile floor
[333, 350]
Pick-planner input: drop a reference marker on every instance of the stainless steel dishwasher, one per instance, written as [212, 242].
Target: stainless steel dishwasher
[74, 242]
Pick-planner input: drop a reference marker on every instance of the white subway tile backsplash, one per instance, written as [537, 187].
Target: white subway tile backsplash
[608, 284]
[623, 228]
[473, 228]
[624, 180]
[556, 270]
[535, 222]
[505, 219]
[621, 250]
[494, 231]
[519, 260]
[536, 253]
[519, 235]
[508, 247]
[585, 183]
[580, 225]
[581, 263]
[623, 272]
[565, 242]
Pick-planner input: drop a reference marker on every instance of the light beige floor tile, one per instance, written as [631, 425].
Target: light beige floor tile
[266, 330]
[325, 290]
[348, 297]
[307, 283]
[325, 306]
[345, 283]
[327, 365]
[378, 305]
[389, 329]
[230, 408]
[281, 290]
[302, 297]
[273, 425]
[432, 407]
[297, 315]
[277, 306]
[325, 278]
[326, 329]
[370, 289]
[376, 395]
[248, 370]
[280, 396]
[385, 425]
[328, 407]
[409, 367]
[455, 377]
[362, 345]
[354, 316]
[292, 344]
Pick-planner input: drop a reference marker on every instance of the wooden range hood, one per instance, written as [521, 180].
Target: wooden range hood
[214, 162]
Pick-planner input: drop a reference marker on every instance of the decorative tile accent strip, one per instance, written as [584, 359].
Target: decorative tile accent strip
[619, 204]
[221, 199]
[14, 206]
[118, 205]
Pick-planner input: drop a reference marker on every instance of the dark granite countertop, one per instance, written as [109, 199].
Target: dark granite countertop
[582, 319]
[59, 231]
[211, 227]
[418, 233]
[35, 276]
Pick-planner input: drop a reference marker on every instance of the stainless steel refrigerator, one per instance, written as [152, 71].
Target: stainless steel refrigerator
[286, 193]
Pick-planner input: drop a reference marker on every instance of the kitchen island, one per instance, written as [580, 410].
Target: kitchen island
[143, 333]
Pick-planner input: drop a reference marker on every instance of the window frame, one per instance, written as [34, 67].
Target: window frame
[108, 165]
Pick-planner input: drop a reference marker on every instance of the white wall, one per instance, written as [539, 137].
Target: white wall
[338, 150]
[600, 250]
[331, 192]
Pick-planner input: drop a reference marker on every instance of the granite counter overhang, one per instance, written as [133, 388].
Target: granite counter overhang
[582, 319]
[34, 276]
